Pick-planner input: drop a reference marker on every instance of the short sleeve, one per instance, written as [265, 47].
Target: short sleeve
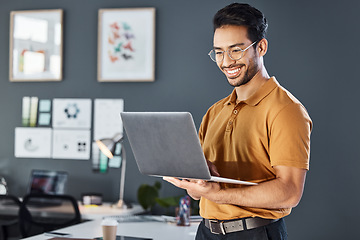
[289, 143]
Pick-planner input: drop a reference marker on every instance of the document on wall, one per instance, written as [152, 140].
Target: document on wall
[32, 142]
[26, 111]
[71, 144]
[72, 113]
[107, 121]
[44, 115]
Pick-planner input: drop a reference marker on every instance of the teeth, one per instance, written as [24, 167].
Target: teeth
[233, 71]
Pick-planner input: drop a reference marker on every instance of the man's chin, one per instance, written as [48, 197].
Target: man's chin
[235, 82]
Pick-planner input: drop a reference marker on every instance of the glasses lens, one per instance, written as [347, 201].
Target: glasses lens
[216, 56]
[236, 53]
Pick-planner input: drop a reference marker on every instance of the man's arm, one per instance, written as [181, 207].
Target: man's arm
[284, 191]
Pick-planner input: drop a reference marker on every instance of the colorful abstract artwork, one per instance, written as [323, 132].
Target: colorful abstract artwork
[120, 42]
[126, 44]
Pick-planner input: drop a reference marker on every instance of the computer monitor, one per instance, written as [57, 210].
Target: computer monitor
[47, 181]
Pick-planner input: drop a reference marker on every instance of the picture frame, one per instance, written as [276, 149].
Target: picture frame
[36, 45]
[126, 45]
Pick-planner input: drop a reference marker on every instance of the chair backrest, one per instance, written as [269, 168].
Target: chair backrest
[9, 208]
[7, 201]
[42, 212]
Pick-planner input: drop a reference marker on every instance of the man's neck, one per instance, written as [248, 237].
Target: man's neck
[243, 92]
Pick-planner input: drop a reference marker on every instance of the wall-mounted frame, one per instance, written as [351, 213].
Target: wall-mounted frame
[36, 45]
[126, 45]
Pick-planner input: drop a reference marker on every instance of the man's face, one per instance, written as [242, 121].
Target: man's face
[238, 72]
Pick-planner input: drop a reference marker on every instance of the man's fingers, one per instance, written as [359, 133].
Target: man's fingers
[184, 182]
[170, 179]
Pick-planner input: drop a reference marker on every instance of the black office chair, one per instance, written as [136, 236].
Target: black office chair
[9, 219]
[42, 212]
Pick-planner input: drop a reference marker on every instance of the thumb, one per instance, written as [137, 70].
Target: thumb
[213, 169]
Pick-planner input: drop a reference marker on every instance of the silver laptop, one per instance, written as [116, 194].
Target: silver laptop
[46, 182]
[167, 144]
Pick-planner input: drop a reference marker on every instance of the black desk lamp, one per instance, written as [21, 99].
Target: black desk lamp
[107, 147]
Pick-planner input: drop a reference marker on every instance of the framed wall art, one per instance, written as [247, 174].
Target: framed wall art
[126, 45]
[36, 45]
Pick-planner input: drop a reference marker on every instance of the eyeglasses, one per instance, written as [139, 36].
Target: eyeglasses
[234, 53]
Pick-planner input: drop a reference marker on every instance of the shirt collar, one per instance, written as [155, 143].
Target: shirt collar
[259, 95]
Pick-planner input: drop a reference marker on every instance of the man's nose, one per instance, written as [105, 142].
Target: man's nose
[227, 61]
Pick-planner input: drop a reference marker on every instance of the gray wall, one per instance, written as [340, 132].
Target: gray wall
[312, 52]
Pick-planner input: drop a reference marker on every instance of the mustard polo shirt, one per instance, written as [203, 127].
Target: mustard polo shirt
[246, 139]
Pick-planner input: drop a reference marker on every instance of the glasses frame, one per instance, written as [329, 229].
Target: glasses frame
[227, 51]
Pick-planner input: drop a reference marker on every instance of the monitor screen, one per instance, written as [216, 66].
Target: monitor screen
[47, 181]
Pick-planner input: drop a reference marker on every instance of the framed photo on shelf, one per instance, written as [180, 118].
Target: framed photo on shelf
[126, 45]
[36, 45]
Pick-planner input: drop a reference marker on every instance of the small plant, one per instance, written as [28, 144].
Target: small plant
[148, 197]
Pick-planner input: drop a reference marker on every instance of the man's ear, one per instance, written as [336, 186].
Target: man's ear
[262, 47]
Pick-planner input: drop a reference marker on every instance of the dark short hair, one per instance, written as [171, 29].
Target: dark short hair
[241, 14]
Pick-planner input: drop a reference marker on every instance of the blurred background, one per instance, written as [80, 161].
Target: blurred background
[312, 52]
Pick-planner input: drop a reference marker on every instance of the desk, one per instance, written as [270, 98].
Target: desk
[87, 212]
[154, 230]
[96, 212]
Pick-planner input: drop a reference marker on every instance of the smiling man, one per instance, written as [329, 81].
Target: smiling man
[259, 133]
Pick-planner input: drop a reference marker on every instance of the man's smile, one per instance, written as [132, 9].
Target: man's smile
[233, 72]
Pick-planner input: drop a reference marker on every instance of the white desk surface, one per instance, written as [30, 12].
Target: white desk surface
[87, 212]
[154, 230]
[96, 212]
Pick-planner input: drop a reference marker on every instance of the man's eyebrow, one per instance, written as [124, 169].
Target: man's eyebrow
[237, 45]
[234, 45]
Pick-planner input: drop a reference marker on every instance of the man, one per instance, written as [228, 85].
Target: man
[259, 133]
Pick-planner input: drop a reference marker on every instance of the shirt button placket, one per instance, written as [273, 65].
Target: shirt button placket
[230, 124]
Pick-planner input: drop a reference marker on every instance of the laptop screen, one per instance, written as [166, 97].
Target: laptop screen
[47, 181]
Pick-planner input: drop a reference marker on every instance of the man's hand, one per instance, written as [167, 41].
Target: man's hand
[284, 191]
[196, 188]
[213, 170]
